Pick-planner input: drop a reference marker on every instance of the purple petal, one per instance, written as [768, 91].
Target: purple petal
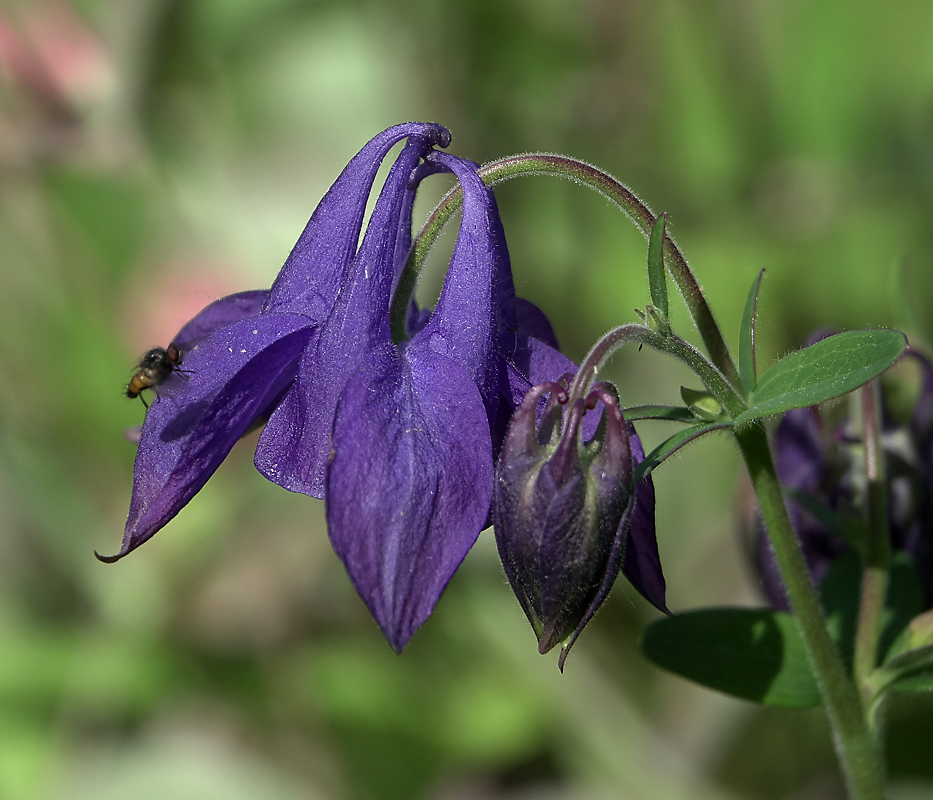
[534, 362]
[463, 326]
[404, 241]
[409, 484]
[219, 314]
[532, 321]
[799, 454]
[296, 442]
[315, 270]
[233, 375]
[609, 577]
[565, 573]
[642, 562]
[416, 318]
[503, 283]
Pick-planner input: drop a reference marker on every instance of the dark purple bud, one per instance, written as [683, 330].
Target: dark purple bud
[562, 509]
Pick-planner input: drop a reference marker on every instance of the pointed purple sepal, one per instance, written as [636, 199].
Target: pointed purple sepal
[410, 482]
[296, 442]
[219, 314]
[231, 377]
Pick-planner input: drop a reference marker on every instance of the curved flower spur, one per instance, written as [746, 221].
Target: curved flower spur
[398, 437]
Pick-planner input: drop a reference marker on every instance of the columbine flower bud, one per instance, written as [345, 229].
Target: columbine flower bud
[562, 509]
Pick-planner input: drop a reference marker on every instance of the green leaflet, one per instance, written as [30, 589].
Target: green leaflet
[754, 654]
[830, 368]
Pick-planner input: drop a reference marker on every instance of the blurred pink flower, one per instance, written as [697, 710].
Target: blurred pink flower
[49, 53]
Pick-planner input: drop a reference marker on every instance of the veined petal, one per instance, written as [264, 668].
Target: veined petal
[404, 240]
[233, 375]
[219, 314]
[641, 563]
[315, 270]
[615, 553]
[566, 574]
[296, 442]
[409, 483]
[463, 326]
[532, 321]
[416, 318]
[534, 361]
[581, 565]
[799, 452]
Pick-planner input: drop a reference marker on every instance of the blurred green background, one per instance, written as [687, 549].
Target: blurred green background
[156, 155]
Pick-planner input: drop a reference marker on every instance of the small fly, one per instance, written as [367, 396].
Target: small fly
[154, 369]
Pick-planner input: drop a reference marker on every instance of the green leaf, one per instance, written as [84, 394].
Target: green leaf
[673, 444]
[657, 281]
[840, 597]
[755, 654]
[916, 683]
[830, 368]
[917, 634]
[747, 338]
[911, 671]
[669, 413]
[920, 630]
[902, 603]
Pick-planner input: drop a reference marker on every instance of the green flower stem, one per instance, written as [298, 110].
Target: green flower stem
[634, 333]
[877, 550]
[857, 749]
[497, 172]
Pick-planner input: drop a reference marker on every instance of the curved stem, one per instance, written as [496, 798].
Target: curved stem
[497, 172]
[857, 749]
[712, 378]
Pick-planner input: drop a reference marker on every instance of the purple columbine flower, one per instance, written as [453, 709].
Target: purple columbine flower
[568, 515]
[821, 468]
[399, 438]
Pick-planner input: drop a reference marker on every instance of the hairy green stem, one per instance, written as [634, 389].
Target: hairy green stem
[497, 172]
[856, 747]
[877, 550]
[631, 333]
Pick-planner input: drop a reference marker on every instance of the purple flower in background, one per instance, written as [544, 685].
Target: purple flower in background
[568, 515]
[399, 438]
[822, 471]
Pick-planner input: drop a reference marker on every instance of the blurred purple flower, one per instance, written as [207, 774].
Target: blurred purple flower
[822, 472]
[399, 438]
[568, 515]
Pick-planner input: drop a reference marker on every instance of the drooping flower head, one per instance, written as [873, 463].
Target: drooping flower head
[398, 437]
[568, 515]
